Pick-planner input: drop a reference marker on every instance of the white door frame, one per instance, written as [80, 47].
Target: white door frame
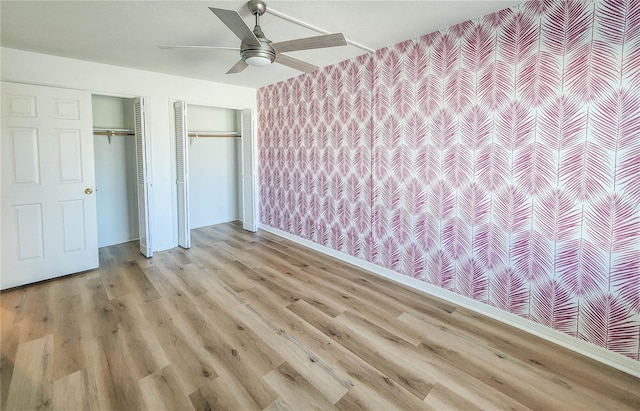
[145, 208]
[176, 222]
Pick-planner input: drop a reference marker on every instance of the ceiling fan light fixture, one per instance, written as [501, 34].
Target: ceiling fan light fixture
[258, 61]
[258, 57]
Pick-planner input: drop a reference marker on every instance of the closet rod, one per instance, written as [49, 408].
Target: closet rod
[113, 133]
[228, 135]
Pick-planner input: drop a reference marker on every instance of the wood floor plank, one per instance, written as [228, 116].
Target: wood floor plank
[192, 364]
[11, 305]
[376, 390]
[418, 385]
[252, 321]
[201, 239]
[296, 390]
[279, 405]
[240, 336]
[325, 377]
[76, 391]
[301, 290]
[117, 382]
[547, 356]
[107, 258]
[194, 278]
[67, 336]
[226, 355]
[382, 311]
[233, 235]
[32, 379]
[261, 255]
[113, 271]
[162, 390]
[212, 235]
[165, 281]
[227, 392]
[147, 354]
[217, 395]
[140, 284]
[98, 318]
[504, 372]
[100, 373]
[411, 357]
[238, 276]
[180, 256]
[362, 397]
[442, 398]
[223, 268]
[398, 293]
[36, 319]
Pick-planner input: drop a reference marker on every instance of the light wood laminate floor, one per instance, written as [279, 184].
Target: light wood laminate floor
[247, 321]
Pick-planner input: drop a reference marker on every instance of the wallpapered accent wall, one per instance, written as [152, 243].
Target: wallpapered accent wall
[314, 156]
[499, 159]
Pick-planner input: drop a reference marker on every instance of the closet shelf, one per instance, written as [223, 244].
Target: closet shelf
[214, 134]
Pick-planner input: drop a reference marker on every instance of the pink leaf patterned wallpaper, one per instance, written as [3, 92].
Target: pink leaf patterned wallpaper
[314, 156]
[498, 159]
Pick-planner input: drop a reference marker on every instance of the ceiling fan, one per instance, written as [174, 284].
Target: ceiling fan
[257, 50]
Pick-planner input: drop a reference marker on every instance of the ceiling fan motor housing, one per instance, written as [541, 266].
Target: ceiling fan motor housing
[265, 51]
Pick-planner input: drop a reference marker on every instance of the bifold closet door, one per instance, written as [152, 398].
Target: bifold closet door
[143, 165]
[182, 172]
[248, 180]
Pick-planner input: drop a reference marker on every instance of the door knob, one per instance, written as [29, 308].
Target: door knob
[88, 191]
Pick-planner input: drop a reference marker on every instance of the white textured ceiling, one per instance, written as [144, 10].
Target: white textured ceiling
[125, 33]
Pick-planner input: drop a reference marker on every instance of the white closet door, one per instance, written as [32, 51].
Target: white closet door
[143, 165]
[48, 213]
[182, 171]
[248, 182]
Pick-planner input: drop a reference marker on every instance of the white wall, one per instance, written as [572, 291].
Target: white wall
[112, 112]
[161, 90]
[213, 181]
[213, 177]
[204, 118]
[115, 165]
[116, 194]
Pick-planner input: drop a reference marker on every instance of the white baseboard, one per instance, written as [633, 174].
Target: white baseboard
[590, 350]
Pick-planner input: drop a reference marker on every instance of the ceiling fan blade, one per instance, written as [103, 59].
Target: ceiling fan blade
[232, 19]
[238, 67]
[295, 63]
[316, 42]
[169, 47]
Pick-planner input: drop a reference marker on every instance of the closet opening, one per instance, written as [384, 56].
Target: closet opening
[120, 154]
[214, 158]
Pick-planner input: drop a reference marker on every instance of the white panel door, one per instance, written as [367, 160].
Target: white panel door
[143, 165]
[182, 173]
[248, 183]
[48, 205]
